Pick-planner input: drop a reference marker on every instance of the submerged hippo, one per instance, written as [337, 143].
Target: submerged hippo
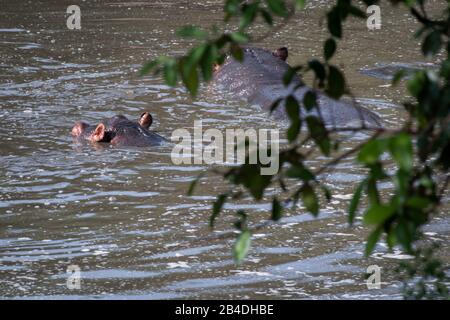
[120, 131]
[259, 80]
[388, 71]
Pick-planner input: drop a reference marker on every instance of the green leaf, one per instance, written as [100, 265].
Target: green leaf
[404, 234]
[277, 7]
[289, 74]
[195, 55]
[231, 8]
[372, 191]
[355, 11]
[293, 130]
[190, 80]
[432, 43]
[329, 48]
[222, 41]
[371, 151]
[310, 100]
[292, 108]
[398, 76]
[318, 69]
[334, 23]
[237, 52]
[326, 192]
[372, 240]
[193, 184]
[249, 175]
[149, 66]
[241, 246]
[309, 199]
[391, 238]
[319, 134]
[300, 172]
[419, 203]
[207, 62]
[248, 15]
[410, 3]
[416, 84]
[378, 213]
[355, 201]
[217, 207]
[445, 69]
[170, 74]
[193, 32]
[293, 111]
[275, 105]
[336, 83]
[277, 210]
[188, 67]
[239, 37]
[267, 17]
[400, 147]
[300, 4]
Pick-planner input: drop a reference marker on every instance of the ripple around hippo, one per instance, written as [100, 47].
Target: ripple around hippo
[259, 80]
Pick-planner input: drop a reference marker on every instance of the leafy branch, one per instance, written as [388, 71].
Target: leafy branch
[420, 150]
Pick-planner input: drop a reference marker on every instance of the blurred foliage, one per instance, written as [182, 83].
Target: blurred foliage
[420, 148]
[425, 277]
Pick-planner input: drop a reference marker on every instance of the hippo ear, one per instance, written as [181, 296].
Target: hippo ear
[79, 128]
[99, 133]
[281, 53]
[146, 120]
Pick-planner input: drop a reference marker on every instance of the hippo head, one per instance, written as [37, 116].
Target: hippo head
[82, 130]
[112, 122]
[145, 120]
[281, 53]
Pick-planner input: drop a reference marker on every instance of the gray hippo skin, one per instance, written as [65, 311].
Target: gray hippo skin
[388, 71]
[259, 80]
[120, 131]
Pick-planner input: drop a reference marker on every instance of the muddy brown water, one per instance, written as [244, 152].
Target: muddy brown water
[122, 215]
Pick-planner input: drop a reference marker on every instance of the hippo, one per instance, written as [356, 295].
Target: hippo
[387, 71]
[120, 131]
[259, 80]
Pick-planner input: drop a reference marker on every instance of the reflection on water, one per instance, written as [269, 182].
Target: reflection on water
[122, 215]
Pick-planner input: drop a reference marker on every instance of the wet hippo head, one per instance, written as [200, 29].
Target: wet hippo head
[281, 53]
[145, 120]
[82, 130]
[120, 131]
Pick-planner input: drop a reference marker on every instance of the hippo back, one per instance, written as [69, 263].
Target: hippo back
[259, 80]
[259, 69]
